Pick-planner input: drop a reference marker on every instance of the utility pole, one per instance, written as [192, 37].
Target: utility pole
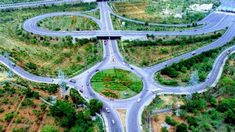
[194, 79]
[62, 82]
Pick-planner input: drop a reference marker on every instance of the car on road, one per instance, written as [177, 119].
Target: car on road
[138, 100]
[156, 91]
[194, 53]
[81, 91]
[87, 84]
[228, 52]
[13, 65]
[107, 110]
[105, 42]
[72, 81]
[113, 122]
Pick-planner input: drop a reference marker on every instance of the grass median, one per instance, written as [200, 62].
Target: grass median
[68, 23]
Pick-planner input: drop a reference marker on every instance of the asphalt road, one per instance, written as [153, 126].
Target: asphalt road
[214, 22]
[36, 4]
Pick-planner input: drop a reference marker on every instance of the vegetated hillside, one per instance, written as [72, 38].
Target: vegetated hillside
[44, 55]
[167, 11]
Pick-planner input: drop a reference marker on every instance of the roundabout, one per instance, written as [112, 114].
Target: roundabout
[116, 83]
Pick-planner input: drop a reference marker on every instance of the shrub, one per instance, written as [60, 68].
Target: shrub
[164, 129]
[181, 128]
[65, 112]
[31, 66]
[230, 116]
[9, 116]
[49, 128]
[170, 121]
[76, 97]
[27, 102]
[195, 104]
[1, 110]
[192, 121]
[95, 106]
[226, 104]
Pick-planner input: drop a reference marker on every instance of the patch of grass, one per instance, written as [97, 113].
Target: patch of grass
[95, 14]
[68, 23]
[167, 12]
[159, 49]
[98, 125]
[116, 83]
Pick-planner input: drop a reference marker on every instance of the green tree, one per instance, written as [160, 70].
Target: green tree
[170, 121]
[230, 116]
[31, 66]
[65, 112]
[226, 104]
[76, 97]
[192, 121]
[181, 128]
[95, 106]
[1, 128]
[9, 116]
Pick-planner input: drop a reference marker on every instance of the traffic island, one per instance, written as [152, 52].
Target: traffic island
[116, 83]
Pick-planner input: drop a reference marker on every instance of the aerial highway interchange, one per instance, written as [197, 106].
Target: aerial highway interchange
[112, 57]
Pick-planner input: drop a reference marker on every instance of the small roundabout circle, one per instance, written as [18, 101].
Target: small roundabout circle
[116, 83]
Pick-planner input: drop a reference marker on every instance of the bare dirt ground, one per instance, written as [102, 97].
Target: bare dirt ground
[122, 114]
[158, 120]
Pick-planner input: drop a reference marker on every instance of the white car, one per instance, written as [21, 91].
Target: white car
[107, 110]
[113, 122]
[139, 99]
[72, 81]
[194, 52]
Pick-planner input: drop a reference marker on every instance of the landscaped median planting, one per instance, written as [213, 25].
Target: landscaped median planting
[116, 83]
[68, 23]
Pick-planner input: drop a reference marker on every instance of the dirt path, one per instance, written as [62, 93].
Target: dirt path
[16, 111]
[43, 121]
